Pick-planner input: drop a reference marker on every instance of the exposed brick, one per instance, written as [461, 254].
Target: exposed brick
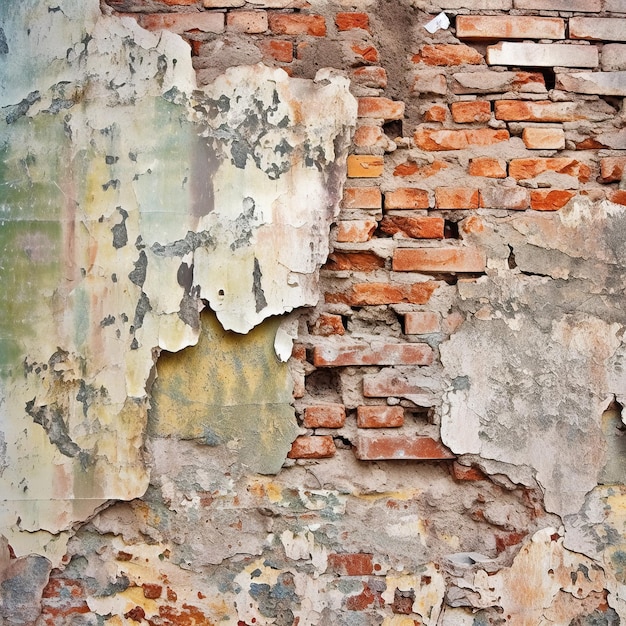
[421, 323]
[325, 416]
[367, 136]
[597, 28]
[516, 198]
[383, 446]
[536, 138]
[436, 113]
[464, 472]
[180, 23]
[430, 83]
[543, 111]
[350, 21]
[379, 416]
[364, 354]
[365, 166]
[356, 231]
[382, 108]
[327, 325]
[297, 24]
[406, 198]
[612, 169]
[550, 199]
[247, 21]
[351, 564]
[491, 81]
[602, 83]
[365, 52]
[542, 55]
[448, 55]
[618, 196]
[277, 49]
[370, 76]
[589, 6]
[509, 27]
[613, 57]
[474, 111]
[435, 139]
[390, 382]
[419, 227]
[411, 168]
[439, 260]
[487, 167]
[315, 447]
[354, 261]
[364, 294]
[456, 198]
[522, 169]
[222, 4]
[362, 198]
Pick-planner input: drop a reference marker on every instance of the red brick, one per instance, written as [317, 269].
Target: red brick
[367, 598]
[379, 416]
[356, 231]
[391, 383]
[448, 54]
[350, 21]
[410, 168]
[362, 198]
[184, 22]
[486, 167]
[364, 354]
[352, 564]
[456, 198]
[543, 138]
[439, 260]
[420, 227]
[618, 196]
[354, 261]
[509, 27]
[474, 111]
[316, 447]
[328, 324]
[247, 21]
[406, 198]
[369, 76]
[612, 169]
[325, 416]
[297, 24]
[367, 136]
[365, 52]
[365, 166]
[421, 323]
[380, 447]
[382, 108]
[538, 111]
[372, 294]
[516, 198]
[550, 199]
[277, 49]
[522, 169]
[436, 113]
[463, 472]
[439, 139]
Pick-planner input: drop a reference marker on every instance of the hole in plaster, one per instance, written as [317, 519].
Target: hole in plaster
[450, 230]
[511, 260]
[220, 293]
[393, 129]
[324, 384]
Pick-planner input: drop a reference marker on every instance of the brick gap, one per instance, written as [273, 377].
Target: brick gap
[451, 230]
[511, 259]
[393, 129]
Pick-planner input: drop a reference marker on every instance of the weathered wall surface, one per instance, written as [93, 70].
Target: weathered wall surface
[444, 446]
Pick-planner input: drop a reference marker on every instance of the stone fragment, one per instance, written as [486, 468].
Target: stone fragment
[380, 447]
[597, 28]
[492, 27]
[601, 83]
[497, 82]
[542, 55]
[439, 260]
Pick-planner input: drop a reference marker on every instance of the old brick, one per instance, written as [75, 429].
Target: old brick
[474, 111]
[364, 354]
[356, 231]
[180, 23]
[365, 52]
[456, 198]
[597, 28]
[509, 27]
[365, 166]
[379, 416]
[247, 21]
[617, 196]
[589, 6]
[429, 82]
[370, 76]
[406, 198]
[612, 169]
[297, 24]
[538, 138]
[476, 5]
[389, 382]
[277, 49]
[419, 227]
[448, 55]
[315, 447]
[411, 168]
[547, 111]
[613, 57]
[383, 446]
[436, 113]
[465, 472]
[367, 136]
[151, 591]
[550, 199]
[601, 83]
[522, 169]
[222, 4]
[351, 564]
[516, 198]
[439, 260]
[325, 416]
[382, 108]
[364, 294]
[487, 167]
[542, 55]
[421, 323]
[328, 324]
[438, 139]
[354, 261]
[350, 21]
[362, 198]
[497, 82]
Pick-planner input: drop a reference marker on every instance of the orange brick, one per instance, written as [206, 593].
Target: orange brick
[297, 24]
[382, 108]
[316, 447]
[184, 22]
[327, 325]
[491, 27]
[439, 260]
[487, 167]
[367, 136]
[365, 52]
[354, 261]
[516, 198]
[277, 49]
[365, 166]
[543, 138]
[247, 21]
[448, 54]
[618, 196]
[356, 231]
[538, 111]
[550, 199]
[438, 139]
[380, 447]
[370, 76]
[522, 169]
[463, 472]
[364, 354]
[436, 113]
[379, 416]
[362, 198]
[325, 416]
[467, 112]
[421, 323]
[420, 227]
[406, 198]
[456, 198]
[350, 21]
[612, 169]
[371, 294]
[411, 168]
